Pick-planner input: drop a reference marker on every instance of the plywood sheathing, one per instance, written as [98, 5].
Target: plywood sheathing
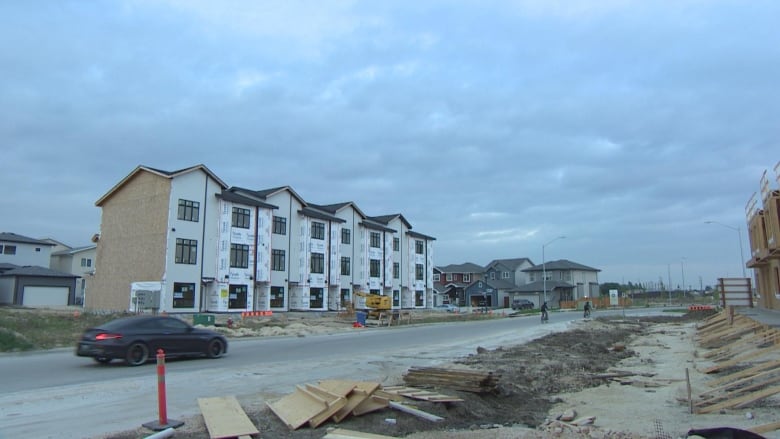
[298, 407]
[335, 403]
[225, 418]
[339, 433]
[359, 391]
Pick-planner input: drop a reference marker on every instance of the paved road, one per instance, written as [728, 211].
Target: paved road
[57, 395]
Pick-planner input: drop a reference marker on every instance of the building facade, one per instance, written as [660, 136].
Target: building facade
[194, 244]
[764, 233]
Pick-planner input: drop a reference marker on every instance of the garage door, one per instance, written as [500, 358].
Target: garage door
[45, 296]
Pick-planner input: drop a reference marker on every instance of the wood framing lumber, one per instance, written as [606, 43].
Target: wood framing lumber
[371, 404]
[742, 344]
[743, 373]
[741, 401]
[421, 394]
[340, 433]
[765, 428]
[416, 412]
[225, 418]
[389, 396]
[740, 382]
[720, 338]
[298, 407]
[335, 403]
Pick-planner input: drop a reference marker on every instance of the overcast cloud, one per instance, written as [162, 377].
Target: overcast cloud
[494, 126]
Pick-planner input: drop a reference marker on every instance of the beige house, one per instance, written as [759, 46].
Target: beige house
[764, 233]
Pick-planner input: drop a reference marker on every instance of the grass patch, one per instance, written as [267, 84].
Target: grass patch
[24, 329]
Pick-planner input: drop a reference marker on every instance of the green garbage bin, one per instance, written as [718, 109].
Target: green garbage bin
[203, 319]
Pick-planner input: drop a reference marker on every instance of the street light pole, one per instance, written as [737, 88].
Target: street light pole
[669, 278]
[682, 269]
[739, 234]
[544, 268]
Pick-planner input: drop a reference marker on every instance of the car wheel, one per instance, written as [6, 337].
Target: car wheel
[102, 360]
[215, 348]
[137, 354]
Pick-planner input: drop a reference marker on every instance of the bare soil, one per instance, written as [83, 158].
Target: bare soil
[532, 376]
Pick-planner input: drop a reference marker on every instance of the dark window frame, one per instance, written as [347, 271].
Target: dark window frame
[186, 251]
[240, 217]
[346, 236]
[375, 268]
[317, 230]
[345, 266]
[189, 210]
[278, 260]
[280, 225]
[239, 256]
[375, 240]
[317, 264]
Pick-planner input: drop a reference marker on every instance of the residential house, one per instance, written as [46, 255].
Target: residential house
[484, 294]
[764, 234]
[451, 281]
[506, 275]
[210, 247]
[561, 280]
[79, 261]
[22, 250]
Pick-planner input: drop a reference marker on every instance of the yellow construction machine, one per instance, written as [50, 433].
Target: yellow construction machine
[375, 304]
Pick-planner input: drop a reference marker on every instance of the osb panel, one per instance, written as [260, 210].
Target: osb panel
[133, 233]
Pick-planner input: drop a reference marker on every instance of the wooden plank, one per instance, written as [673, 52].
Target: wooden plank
[340, 433]
[298, 407]
[415, 412]
[743, 373]
[758, 353]
[362, 390]
[739, 383]
[741, 401]
[741, 390]
[225, 418]
[338, 387]
[423, 395]
[765, 428]
[335, 403]
[371, 404]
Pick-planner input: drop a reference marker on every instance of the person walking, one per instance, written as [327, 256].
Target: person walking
[544, 309]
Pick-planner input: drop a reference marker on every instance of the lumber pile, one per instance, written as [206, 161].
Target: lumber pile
[335, 400]
[456, 379]
[753, 349]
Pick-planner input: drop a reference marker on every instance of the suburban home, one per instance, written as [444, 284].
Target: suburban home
[79, 261]
[764, 233]
[482, 294]
[185, 241]
[560, 281]
[451, 281]
[22, 250]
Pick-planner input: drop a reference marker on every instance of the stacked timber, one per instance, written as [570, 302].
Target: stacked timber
[456, 379]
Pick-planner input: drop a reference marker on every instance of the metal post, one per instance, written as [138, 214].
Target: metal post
[682, 270]
[669, 275]
[162, 422]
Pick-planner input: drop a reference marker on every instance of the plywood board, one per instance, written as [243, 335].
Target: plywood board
[362, 390]
[225, 418]
[298, 407]
[340, 433]
[423, 395]
[371, 404]
[335, 403]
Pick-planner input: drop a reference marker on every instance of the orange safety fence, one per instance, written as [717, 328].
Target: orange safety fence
[246, 314]
[700, 307]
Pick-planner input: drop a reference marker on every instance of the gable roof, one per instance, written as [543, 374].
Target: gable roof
[165, 174]
[420, 235]
[320, 214]
[561, 264]
[512, 263]
[336, 207]
[466, 267]
[371, 224]
[235, 196]
[385, 219]
[13, 237]
[73, 251]
[263, 194]
[35, 271]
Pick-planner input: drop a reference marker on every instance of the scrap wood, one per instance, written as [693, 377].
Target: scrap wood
[739, 383]
[746, 372]
[335, 403]
[371, 404]
[415, 412]
[225, 418]
[340, 433]
[743, 343]
[741, 401]
[620, 374]
[457, 379]
[739, 391]
[758, 353]
[719, 338]
[423, 395]
[765, 428]
[361, 391]
[298, 407]
[725, 327]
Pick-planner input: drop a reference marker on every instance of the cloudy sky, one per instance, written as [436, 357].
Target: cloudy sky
[494, 126]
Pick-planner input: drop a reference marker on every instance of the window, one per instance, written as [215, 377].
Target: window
[277, 297]
[183, 295]
[277, 260]
[241, 217]
[449, 277]
[317, 230]
[346, 236]
[492, 274]
[280, 225]
[375, 268]
[375, 239]
[239, 255]
[317, 263]
[396, 245]
[186, 251]
[38, 249]
[436, 277]
[345, 266]
[237, 297]
[396, 270]
[418, 271]
[467, 277]
[418, 247]
[8, 249]
[86, 262]
[504, 275]
[188, 210]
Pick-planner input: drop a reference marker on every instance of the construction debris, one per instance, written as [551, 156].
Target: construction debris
[456, 379]
[336, 400]
[225, 418]
[738, 342]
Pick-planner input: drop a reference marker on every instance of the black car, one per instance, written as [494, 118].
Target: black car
[137, 339]
[522, 304]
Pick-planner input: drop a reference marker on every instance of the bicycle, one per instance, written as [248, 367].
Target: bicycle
[545, 317]
[586, 314]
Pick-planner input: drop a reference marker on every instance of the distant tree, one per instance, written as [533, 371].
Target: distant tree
[605, 287]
